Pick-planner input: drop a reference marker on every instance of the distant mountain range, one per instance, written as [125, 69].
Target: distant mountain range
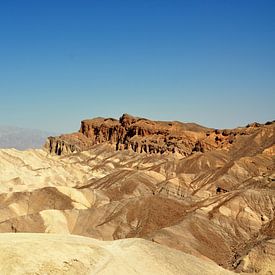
[21, 139]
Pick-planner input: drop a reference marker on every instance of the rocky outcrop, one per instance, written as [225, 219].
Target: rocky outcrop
[130, 133]
[67, 144]
[146, 136]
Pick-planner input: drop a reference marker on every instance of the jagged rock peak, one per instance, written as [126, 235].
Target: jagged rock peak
[127, 119]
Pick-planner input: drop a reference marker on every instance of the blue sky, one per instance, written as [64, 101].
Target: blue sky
[210, 62]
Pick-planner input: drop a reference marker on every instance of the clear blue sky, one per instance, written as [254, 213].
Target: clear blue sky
[208, 61]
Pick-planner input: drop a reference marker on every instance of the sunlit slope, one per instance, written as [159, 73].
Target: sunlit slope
[61, 254]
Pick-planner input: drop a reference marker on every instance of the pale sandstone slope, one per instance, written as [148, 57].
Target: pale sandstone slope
[22, 254]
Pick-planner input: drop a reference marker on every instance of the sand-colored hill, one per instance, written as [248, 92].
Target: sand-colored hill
[215, 204]
[22, 254]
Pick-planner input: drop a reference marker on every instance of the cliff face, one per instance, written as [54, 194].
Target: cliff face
[145, 136]
[142, 135]
[67, 144]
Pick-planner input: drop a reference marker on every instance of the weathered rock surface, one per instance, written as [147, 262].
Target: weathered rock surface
[217, 203]
[145, 136]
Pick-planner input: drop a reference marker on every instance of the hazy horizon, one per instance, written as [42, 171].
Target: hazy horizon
[208, 62]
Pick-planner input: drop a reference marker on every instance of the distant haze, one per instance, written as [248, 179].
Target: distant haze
[21, 139]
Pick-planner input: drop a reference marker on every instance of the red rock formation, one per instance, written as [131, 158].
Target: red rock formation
[145, 136]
